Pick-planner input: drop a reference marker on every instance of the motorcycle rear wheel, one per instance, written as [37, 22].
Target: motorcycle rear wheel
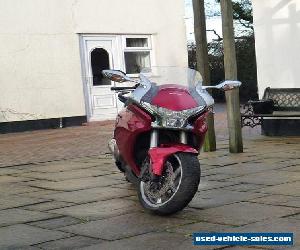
[181, 176]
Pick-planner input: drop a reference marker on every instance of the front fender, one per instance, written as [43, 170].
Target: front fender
[159, 155]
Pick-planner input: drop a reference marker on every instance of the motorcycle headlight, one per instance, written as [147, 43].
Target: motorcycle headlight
[169, 118]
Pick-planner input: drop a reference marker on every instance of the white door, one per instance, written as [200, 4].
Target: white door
[98, 53]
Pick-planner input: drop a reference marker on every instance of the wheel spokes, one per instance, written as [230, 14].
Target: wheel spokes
[161, 191]
[176, 173]
[173, 187]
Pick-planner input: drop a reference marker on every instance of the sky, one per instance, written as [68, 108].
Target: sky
[213, 20]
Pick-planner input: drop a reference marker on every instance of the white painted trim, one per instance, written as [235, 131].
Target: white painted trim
[82, 48]
[149, 47]
[152, 52]
[136, 49]
[86, 71]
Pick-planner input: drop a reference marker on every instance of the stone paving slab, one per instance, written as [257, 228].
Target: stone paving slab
[205, 184]
[297, 216]
[16, 188]
[4, 179]
[200, 227]
[75, 184]
[54, 144]
[24, 248]
[17, 215]
[149, 241]
[125, 226]
[217, 197]
[245, 187]
[221, 177]
[38, 193]
[292, 188]
[56, 222]
[65, 175]
[152, 241]
[20, 236]
[246, 168]
[279, 200]
[12, 170]
[269, 177]
[60, 166]
[125, 185]
[91, 194]
[294, 168]
[14, 201]
[99, 209]
[244, 213]
[46, 206]
[69, 243]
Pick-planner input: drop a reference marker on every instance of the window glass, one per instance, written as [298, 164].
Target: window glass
[135, 61]
[99, 61]
[136, 42]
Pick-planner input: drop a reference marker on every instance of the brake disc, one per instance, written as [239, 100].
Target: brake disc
[156, 190]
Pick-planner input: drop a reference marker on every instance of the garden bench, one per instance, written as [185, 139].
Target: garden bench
[278, 112]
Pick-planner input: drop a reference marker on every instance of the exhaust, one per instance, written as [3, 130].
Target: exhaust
[112, 145]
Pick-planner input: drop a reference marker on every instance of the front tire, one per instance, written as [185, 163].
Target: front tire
[171, 198]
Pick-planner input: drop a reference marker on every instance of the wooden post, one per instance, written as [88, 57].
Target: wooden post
[203, 66]
[232, 96]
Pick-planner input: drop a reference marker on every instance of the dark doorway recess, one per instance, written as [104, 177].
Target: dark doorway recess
[99, 61]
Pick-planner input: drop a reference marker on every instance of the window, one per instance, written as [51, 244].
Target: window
[136, 42]
[137, 53]
[136, 61]
[99, 61]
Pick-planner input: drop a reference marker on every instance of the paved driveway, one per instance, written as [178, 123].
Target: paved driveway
[60, 190]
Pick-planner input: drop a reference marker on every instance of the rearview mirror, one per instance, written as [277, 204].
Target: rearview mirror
[115, 75]
[118, 76]
[226, 85]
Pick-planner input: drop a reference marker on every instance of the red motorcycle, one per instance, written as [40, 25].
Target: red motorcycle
[159, 133]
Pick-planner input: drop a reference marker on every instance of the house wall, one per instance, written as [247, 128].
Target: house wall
[277, 33]
[40, 67]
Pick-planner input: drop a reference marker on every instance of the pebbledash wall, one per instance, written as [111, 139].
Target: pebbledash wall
[40, 64]
[277, 34]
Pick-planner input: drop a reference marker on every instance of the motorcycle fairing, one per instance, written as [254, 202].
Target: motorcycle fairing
[174, 97]
[159, 155]
[148, 94]
[200, 128]
[131, 122]
[147, 90]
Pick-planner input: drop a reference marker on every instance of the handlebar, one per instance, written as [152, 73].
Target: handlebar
[123, 88]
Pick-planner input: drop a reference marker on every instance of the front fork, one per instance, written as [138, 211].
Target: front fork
[160, 153]
[154, 138]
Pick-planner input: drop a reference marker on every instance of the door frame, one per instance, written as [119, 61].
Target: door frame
[86, 71]
[116, 58]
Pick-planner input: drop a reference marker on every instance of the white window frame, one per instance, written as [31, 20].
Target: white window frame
[137, 49]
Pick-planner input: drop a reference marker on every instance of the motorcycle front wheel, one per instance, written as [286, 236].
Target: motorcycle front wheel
[175, 188]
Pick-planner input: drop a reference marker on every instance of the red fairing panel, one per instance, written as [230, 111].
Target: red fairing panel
[131, 122]
[159, 155]
[200, 128]
[174, 97]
